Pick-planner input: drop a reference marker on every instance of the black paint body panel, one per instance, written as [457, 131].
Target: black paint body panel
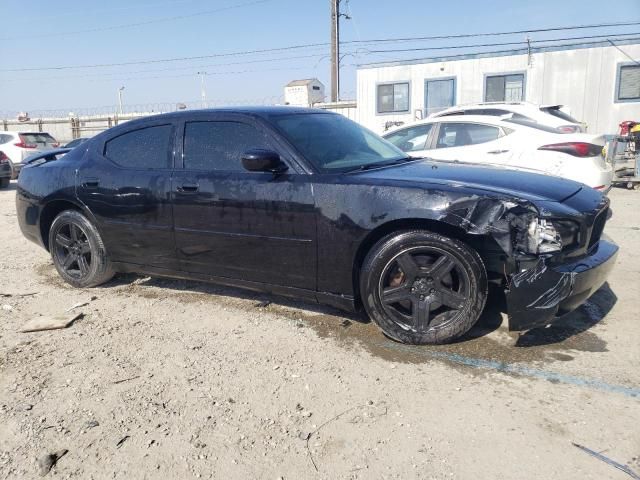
[301, 233]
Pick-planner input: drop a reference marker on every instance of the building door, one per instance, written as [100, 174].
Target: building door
[439, 94]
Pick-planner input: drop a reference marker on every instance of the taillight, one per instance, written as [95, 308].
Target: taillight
[55, 145]
[600, 187]
[577, 149]
[3, 158]
[23, 144]
[568, 129]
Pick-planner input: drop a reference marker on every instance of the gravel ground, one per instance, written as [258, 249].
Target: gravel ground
[176, 379]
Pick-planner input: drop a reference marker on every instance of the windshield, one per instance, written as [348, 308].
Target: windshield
[334, 143]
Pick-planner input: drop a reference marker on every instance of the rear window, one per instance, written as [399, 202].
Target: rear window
[556, 112]
[37, 138]
[531, 124]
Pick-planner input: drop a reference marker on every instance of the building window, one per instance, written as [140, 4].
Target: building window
[504, 88]
[393, 97]
[628, 83]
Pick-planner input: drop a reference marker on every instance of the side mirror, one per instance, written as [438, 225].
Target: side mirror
[258, 160]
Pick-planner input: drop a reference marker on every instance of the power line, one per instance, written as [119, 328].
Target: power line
[504, 44]
[493, 52]
[623, 52]
[492, 34]
[141, 24]
[303, 46]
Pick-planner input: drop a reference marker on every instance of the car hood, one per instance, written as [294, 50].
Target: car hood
[529, 186]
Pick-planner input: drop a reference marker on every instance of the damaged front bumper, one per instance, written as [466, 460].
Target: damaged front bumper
[540, 295]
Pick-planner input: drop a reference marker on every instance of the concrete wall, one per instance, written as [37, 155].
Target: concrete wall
[584, 80]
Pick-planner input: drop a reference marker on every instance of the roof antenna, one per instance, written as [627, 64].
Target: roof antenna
[529, 56]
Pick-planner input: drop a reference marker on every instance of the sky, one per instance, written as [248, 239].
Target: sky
[36, 41]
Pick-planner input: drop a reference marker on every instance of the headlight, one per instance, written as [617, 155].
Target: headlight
[547, 236]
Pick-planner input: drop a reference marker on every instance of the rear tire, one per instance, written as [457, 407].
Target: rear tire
[77, 251]
[423, 288]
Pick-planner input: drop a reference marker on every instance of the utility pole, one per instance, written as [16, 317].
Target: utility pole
[120, 99]
[203, 92]
[335, 50]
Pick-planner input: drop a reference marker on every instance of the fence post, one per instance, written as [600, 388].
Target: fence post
[5, 125]
[40, 125]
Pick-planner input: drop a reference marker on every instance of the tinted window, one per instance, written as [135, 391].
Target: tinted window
[531, 124]
[333, 143]
[40, 139]
[146, 148]
[393, 97]
[5, 138]
[410, 139]
[219, 145]
[556, 112]
[462, 134]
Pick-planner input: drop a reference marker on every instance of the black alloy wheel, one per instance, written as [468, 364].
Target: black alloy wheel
[423, 288]
[77, 250]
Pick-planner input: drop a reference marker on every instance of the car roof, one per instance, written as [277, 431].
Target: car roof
[485, 119]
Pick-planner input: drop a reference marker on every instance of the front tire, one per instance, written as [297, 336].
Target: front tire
[423, 288]
[77, 251]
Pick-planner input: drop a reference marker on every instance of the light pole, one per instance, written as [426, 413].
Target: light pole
[203, 92]
[120, 99]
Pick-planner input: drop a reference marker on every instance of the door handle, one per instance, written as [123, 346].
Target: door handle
[90, 183]
[188, 188]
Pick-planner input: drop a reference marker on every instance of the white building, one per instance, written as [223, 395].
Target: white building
[597, 82]
[304, 93]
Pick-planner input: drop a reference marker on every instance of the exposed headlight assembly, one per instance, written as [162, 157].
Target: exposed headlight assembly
[548, 236]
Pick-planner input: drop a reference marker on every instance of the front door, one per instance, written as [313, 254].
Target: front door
[126, 184]
[236, 224]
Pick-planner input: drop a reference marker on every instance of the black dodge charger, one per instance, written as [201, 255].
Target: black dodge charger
[309, 204]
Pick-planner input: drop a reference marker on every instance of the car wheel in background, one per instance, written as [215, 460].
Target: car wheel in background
[78, 251]
[4, 182]
[423, 288]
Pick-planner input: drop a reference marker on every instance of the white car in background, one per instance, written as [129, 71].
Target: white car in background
[20, 145]
[507, 143]
[550, 115]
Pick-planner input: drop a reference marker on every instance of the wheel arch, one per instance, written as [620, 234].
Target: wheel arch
[387, 228]
[51, 210]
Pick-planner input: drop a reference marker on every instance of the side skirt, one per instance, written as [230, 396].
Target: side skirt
[343, 302]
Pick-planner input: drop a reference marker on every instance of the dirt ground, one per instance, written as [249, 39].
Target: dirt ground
[174, 379]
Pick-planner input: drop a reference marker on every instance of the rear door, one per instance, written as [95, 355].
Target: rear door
[470, 142]
[126, 185]
[236, 224]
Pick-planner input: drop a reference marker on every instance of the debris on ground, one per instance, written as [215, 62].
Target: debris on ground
[345, 323]
[263, 304]
[126, 379]
[7, 308]
[17, 294]
[122, 440]
[605, 459]
[48, 461]
[50, 323]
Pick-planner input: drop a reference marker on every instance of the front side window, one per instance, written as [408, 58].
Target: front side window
[146, 148]
[629, 83]
[333, 143]
[218, 146]
[412, 139]
[504, 88]
[463, 134]
[393, 97]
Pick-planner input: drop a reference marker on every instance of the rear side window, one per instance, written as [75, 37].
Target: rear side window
[462, 134]
[219, 146]
[146, 148]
